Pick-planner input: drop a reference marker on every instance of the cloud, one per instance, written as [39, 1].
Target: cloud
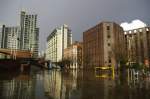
[133, 25]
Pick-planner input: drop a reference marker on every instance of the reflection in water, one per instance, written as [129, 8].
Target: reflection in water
[52, 83]
[60, 85]
[20, 87]
[56, 84]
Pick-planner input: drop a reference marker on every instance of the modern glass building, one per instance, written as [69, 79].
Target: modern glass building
[10, 37]
[29, 33]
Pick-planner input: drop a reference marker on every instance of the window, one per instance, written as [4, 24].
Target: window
[140, 30]
[108, 31]
[135, 31]
[109, 65]
[147, 29]
[108, 36]
[108, 27]
[109, 60]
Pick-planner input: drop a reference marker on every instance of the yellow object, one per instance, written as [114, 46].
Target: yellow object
[105, 68]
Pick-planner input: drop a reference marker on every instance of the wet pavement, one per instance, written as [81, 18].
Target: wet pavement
[73, 84]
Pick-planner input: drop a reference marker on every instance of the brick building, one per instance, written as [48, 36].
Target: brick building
[74, 55]
[103, 45]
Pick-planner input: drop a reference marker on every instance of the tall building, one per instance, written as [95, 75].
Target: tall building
[57, 41]
[29, 33]
[103, 45]
[1, 31]
[73, 55]
[3, 37]
[10, 37]
[138, 45]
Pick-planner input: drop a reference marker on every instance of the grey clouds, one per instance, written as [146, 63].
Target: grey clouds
[78, 14]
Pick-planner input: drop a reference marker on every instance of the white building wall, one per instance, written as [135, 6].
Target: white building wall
[1, 27]
[65, 31]
[13, 35]
[59, 45]
[57, 41]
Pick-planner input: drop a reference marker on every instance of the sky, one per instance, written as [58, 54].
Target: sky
[135, 24]
[79, 15]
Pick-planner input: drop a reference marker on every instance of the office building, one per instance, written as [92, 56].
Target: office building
[1, 31]
[103, 45]
[29, 33]
[57, 41]
[10, 37]
[73, 56]
[138, 45]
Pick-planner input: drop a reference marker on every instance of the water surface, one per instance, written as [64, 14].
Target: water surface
[73, 84]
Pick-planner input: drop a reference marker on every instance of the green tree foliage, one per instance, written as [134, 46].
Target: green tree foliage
[137, 66]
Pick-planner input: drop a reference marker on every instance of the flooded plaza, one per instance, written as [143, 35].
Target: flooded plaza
[72, 84]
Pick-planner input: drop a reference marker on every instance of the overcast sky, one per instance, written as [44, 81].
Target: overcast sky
[78, 14]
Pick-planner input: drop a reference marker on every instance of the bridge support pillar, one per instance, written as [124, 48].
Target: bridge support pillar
[24, 67]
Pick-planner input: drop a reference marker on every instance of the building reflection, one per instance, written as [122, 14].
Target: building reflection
[19, 87]
[136, 80]
[131, 86]
[52, 83]
[76, 84]
[69, 84]
[124, 86]
[94, 87]
[73, 84]
[60, 84]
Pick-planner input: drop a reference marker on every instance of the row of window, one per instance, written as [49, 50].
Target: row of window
[135, 31]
